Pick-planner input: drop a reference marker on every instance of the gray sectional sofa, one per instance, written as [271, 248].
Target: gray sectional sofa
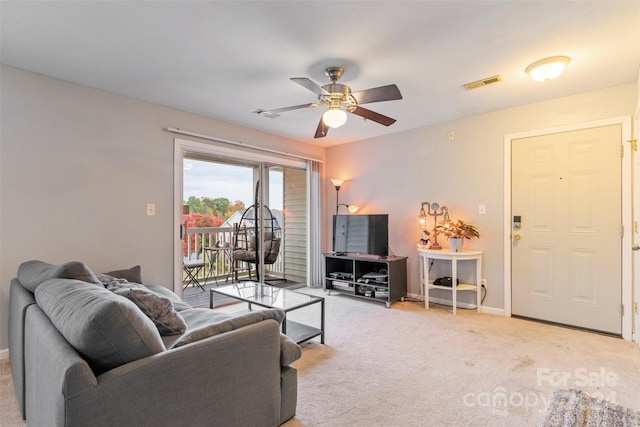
[103, 349]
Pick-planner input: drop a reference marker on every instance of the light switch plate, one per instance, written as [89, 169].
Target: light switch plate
[482, 209]
[151, 209]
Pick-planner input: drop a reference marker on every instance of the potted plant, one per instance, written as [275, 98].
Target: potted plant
[456, 232]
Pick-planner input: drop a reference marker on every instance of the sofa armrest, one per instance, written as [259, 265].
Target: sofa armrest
[20, 299]
[289, 351]
[53, 370]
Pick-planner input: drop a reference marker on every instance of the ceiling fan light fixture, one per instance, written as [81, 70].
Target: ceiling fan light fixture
[334, 117]
[547, 69]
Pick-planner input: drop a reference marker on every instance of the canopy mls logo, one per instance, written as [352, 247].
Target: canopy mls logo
[501, 400]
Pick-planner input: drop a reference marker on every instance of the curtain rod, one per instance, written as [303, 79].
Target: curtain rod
[240, 144]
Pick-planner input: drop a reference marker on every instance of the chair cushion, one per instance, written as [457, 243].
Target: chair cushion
[33, 273]
[268, 235]
[271, 250]
[106, 329]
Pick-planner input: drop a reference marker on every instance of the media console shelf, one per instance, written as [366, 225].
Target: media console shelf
[372, 277]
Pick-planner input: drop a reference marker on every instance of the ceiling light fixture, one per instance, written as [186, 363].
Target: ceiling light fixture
[548, 68]
[334, 117]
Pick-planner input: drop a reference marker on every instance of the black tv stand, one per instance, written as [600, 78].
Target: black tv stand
[344, 273]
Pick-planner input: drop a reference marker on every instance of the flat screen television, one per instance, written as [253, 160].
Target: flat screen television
[363, 234]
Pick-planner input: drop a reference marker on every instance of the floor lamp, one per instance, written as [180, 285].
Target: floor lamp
[337, 183]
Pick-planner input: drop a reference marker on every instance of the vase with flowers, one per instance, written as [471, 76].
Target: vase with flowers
[456, 232]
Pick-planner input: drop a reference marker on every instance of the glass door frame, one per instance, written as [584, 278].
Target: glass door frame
[183, 148]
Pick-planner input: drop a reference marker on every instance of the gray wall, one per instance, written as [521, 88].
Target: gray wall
[77, 168]
[395, 173]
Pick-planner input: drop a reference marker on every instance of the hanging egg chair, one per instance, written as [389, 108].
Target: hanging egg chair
[248, 246]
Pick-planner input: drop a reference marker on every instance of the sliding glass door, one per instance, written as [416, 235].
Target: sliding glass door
[230, 204]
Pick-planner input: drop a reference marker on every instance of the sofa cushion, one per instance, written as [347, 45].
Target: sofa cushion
[156, 307]
[105, 279]
[106, 329]
[32, 273]
[203, 322]
[178, 304]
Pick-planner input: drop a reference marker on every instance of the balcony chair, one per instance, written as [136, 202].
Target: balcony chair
[192, 268]
[247, 231]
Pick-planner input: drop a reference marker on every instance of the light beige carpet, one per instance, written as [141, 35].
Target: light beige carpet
[9, 412]
[407, 366]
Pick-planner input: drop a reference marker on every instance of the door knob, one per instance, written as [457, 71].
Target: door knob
[635, 247]
[516, 236]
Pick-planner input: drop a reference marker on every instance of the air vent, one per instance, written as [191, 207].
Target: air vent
[483, 82]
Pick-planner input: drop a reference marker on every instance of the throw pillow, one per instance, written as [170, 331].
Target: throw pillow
[106, 329]
[33, 273]
[156, 307]
[133, 274]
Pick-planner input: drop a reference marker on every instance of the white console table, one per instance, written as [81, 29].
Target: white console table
[453, 257]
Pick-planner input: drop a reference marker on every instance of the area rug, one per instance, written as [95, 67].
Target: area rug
[571, 407]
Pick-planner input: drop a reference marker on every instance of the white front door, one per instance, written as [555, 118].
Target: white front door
[566, 260]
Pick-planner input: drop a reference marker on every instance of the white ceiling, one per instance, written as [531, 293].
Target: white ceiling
[226, 59]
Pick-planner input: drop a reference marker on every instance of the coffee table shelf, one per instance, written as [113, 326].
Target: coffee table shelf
[300, 332]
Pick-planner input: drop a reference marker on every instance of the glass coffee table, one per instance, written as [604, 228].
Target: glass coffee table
[268, 296]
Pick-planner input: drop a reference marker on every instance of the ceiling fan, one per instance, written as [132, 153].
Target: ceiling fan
[340, 99]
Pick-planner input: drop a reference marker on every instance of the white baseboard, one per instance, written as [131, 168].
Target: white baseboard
[492, 310]
[483, 309]
[4, 354]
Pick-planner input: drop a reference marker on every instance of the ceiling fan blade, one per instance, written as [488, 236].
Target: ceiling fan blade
[313, 87]
[322, 130]
[377, 94]
[282, 110]
[372, 115]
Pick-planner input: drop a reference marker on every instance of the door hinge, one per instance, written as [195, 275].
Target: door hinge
[635, 226]
[622, 309]
[635, 307]
[621, 230]
[622, 151]
[634, 144]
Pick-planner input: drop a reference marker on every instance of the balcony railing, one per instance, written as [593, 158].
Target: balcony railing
[214, 247]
